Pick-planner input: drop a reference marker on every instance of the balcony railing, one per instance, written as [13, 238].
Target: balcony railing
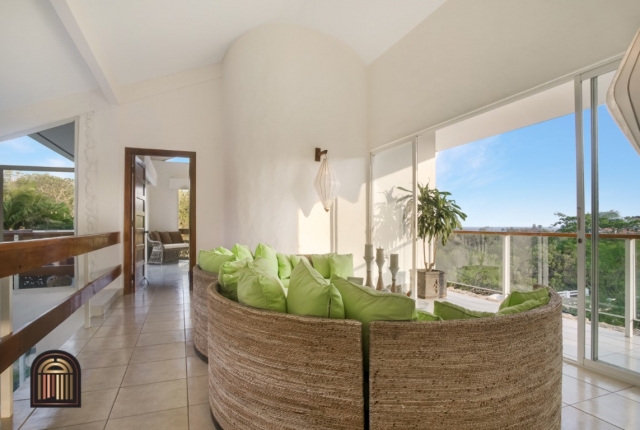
[498, 262]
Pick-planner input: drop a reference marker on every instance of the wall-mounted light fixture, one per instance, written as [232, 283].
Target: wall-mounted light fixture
[326, 183]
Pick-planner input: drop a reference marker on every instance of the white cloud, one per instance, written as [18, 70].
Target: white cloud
[472, 165]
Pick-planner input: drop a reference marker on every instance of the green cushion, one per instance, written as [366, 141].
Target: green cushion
[223, 250]
[365, 304]
[285, 283]
[284, 266]
[420, 315]
[341, 265]
[210, 261]
[312, 295]
[518, 297]
[449, 311]
[259, 288]
[295, 259]
[321, 264]
[228, 278]
[525, 306]
[270, 254]
[242, 252]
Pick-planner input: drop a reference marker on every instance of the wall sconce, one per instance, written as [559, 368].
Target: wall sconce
[326, 183]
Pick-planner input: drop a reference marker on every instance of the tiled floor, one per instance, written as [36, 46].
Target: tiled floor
[140, 372]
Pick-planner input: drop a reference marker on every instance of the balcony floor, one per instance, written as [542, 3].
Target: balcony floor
[140, 371]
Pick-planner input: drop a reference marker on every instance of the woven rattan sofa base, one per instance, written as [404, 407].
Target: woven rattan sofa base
[269, 370]
[201, 282]
[491, 373]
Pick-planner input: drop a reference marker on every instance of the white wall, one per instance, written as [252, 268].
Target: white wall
[469, 54]
[162, 200]
[287, 90]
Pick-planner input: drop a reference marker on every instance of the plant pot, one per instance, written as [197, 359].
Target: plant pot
[431, 284]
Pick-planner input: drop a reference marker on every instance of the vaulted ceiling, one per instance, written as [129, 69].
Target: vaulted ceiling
[53, 48]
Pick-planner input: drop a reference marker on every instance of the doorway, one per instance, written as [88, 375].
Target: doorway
[136, 213]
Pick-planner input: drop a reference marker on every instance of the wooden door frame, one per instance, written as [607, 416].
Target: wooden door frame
[129, 154]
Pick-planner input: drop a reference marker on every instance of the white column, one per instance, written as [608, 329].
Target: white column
[545, 261]
[6, 328]
[629, 285]
[506, 265]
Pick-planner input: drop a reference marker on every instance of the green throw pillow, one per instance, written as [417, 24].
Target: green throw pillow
[449, 311]
[242, 252]
[295, 259]
[228, 278]
[284, 266]
[420, 315]
[341, 265]
[525, 306]
[518, 297]
[259, 288]
[321, 264]
[223, 250]
[312, 295]
[210, 261]
[285, 283]
[365, 304]
[270, 254]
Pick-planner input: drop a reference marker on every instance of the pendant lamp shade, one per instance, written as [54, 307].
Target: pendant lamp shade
[326, 184]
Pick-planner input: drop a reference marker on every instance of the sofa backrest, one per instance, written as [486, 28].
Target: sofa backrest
[165, 237]
[155, 236]
[176, 237]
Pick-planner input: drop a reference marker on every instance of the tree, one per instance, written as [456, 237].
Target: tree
[183, 208]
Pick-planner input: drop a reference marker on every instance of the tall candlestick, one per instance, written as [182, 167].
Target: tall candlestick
[393, 261]
[380, 262]
[368, 250]
[393, 268]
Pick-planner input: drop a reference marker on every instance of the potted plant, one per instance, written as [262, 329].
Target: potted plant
[438, 216]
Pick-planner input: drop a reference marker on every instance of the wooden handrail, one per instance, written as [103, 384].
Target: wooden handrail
[545, 234]
[14, 345]
[18, 257]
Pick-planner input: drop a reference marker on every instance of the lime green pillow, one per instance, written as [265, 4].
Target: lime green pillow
[525, 306]
[518, 297]
[295, 259]
[259, 288]
[284, 266]
[341, 265]
[312, 295]
[420, 315]
[285, 283]
[321, 264]
[210, 261]
[223, 250]
[449, 311]
[228, 278]
[270, 254]
[242, 252]
[365, 304]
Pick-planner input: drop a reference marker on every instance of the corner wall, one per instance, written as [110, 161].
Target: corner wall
[288, 90]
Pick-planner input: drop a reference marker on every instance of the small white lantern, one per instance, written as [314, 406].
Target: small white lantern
[326, 183]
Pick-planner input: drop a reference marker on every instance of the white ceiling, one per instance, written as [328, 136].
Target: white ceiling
[144, 39]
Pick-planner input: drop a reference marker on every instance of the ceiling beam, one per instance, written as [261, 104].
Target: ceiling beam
[88, 51]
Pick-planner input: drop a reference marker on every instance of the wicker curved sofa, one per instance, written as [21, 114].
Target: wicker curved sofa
[490, 373]
[269, 370]
[201, 282]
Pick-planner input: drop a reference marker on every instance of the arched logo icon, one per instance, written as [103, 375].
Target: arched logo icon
[55, 380]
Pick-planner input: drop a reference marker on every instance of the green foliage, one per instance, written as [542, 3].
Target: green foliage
[37, 201]
[438, 216]
[183, 208]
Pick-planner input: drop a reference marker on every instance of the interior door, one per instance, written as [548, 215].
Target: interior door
[138, 222]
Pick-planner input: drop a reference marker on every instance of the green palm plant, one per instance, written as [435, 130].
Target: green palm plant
[24, 207]
[438, 216]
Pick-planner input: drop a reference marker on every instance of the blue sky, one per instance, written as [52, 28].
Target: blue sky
[25, 151]
[524, 176]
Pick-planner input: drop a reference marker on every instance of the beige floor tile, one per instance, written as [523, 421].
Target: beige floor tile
[632, 393]
[96, 406]
[157, 326]
[155, 371]
[169, 301]
[125, 320]
[188, 334]
[98, 425]
[198, 390]
[188, 323]
[594, 378]
[160, 337]
[196, 367]
[163, 351]
[112, 342]
[166, 308]
[21, 411]
[84, 333]
[191, 351]
[113, 357]
[142, 399]
[24, 391]
[200, 418]
[74, 346]
[574, 391]
[574, 419]
[118, 330]
[173, 419]
[102, 378]
[128, 311]
[614, 409]
[165, 316]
